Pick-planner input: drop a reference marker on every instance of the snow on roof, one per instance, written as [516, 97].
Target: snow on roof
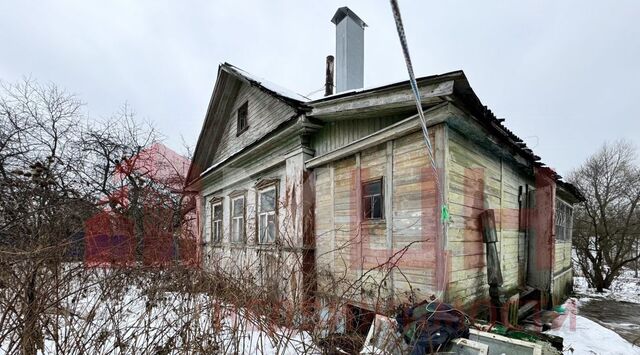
[275, 88]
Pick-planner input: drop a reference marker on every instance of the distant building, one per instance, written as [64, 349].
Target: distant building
[110, 236]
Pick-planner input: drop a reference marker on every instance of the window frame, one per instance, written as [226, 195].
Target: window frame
[567, 225]
[217, 225]
[363, 197]
[259, 213]
[244, 110]
[241, 238]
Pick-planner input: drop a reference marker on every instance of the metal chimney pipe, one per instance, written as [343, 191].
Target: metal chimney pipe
[328, 81]
[349, 50]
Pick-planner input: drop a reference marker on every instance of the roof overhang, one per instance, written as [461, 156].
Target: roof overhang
[396, 98]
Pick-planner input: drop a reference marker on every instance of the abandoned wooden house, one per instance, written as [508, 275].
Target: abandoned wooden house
[316, 196]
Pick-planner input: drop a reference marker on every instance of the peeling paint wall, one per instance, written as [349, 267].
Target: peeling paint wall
[350, 249]
[480, 180]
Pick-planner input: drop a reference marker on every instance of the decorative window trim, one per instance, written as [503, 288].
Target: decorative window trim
[264, 183]
[217, 225]
[262, 187]
[236, 193]
[362, 197]
[234, 197]
[244, 110]
[216, 199]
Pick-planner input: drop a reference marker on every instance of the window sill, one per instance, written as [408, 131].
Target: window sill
[238, 134]
[266, 246]
[373, 221]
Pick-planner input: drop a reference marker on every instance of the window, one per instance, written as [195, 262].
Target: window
[243, 122]
[267, 199]
[237, 219]
[216, 221]
[564, 221]
[372, 200]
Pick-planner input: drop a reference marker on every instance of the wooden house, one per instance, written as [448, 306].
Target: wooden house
[336, 199]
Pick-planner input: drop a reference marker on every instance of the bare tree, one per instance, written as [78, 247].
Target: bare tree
[607, 225]
[56, 171]
[42, 203]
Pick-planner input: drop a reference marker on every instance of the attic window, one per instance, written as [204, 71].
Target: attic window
[243, 124]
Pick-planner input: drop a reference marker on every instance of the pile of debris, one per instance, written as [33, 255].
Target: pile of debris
[431, 327]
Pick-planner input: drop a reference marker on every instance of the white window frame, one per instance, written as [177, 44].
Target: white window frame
[264, 215]
[567, 220]
[216, 224]
[238, 220]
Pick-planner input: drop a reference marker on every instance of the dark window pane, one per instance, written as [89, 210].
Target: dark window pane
[372, 200]
[242, 117]
[372, 188]
[267, 200]
[376, 209]
[366, 207]
[217, 212]
[238, 207]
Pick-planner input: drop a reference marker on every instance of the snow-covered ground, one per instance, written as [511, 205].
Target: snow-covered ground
[594, 336]
[584, 336]
[625, 288]
[132, 316]
[105, 314]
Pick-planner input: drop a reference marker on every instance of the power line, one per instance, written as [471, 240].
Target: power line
[416, 93]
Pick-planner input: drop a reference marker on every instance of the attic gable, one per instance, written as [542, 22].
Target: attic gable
[267, 106]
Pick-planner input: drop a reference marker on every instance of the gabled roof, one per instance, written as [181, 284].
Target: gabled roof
[227, 73]
[462, 90]
[271, 88]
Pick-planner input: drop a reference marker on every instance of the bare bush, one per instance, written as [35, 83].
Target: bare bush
[59, 170]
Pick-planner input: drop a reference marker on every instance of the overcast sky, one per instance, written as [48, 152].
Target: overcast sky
[563, 73]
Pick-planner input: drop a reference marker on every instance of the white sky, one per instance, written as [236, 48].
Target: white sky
[563, 73]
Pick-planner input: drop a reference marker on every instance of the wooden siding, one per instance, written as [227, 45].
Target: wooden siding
[562, 287]
[340, 133]
[265, 113]
[562, 272]
[415, 216]
[481, 180]
[562, 256]
[349, 248]
[250, 260]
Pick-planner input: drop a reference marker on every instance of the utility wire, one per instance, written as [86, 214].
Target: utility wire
[416, 93]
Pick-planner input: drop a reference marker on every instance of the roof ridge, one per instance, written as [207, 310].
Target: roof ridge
[265, 84]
